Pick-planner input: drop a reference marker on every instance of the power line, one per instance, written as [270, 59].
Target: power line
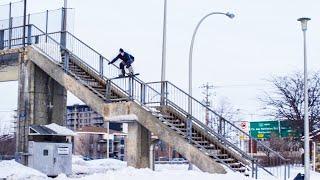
[241, 85]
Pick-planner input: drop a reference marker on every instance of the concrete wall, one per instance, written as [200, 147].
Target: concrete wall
[44, 97]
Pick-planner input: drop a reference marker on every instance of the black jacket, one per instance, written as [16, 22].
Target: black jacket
[127, 58]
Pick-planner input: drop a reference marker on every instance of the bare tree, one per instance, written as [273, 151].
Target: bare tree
[82, 145]
[227, 111]
[7, 146]
[286, 102]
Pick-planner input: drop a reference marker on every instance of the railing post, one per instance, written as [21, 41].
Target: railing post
[252, 169]
[1, 39]
[10, 27]
[47, 17]
[163, 93]
[63, 37]
[66, 61]
[130, 88]
[29, 19]
[256, 170]
[29, 42]
[101, 66]
[108, 89]
[36, 39]
[288, 170]
[166, 93]
[143, 94]
[285, 171]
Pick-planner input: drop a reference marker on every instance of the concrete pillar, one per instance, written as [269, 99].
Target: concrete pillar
[47, 98]
[138, 144]
[41, 100]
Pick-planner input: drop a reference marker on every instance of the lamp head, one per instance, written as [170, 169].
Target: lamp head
[230, 15]
[304, 21]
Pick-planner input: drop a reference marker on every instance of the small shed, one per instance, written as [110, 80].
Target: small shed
[50, 149]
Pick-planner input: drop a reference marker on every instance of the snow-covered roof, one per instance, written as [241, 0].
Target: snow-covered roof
[50, 130]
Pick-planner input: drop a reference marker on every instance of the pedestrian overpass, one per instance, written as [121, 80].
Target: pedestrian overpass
[49, 64]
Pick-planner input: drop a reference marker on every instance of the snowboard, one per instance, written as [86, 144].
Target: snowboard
[126, 76]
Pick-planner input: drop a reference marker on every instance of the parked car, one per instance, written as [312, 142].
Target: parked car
[87, 158]
[178, 161]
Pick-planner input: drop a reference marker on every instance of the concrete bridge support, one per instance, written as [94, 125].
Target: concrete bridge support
[138, 146]
[41, 100]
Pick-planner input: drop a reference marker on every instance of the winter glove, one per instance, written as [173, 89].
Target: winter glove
[109, 63]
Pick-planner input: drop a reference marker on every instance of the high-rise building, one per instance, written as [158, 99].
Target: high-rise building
[82, 115]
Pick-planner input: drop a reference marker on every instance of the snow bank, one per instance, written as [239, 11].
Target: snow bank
[111, 169]
[147, 174]
[60, 129]
[15, 171]
[81, 167]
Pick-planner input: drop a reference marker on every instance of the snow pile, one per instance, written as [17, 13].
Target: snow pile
[295, 170]
[13, 170]
[111, 169]
[81, 167]
[147, 174]
[60, 130]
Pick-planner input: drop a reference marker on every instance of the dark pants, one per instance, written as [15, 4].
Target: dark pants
[123, 65]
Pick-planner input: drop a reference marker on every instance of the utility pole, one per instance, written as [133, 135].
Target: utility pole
[206, 91]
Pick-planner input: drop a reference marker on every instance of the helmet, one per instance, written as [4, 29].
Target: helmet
[121, 50]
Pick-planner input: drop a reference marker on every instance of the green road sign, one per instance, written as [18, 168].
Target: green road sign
[264, 129]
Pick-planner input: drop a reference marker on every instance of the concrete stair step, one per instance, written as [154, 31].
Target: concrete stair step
[228, 160]
[163, 116]
[239, 169]
[222, 156]
[235, 164]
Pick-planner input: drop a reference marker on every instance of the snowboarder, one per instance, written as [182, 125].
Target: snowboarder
[127, 60]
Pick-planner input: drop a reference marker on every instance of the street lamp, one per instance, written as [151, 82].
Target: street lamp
[189, 124]
[304, 21]
[164, 41]
[164, 46]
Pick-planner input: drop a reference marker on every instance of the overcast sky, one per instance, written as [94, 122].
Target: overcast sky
[263, 40]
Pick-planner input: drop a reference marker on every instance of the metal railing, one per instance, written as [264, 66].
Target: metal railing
[240, 141]
[149, 94]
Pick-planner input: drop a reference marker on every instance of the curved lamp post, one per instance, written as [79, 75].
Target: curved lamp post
[189, 124]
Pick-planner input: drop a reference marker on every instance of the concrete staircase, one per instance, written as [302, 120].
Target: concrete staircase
[159, 107]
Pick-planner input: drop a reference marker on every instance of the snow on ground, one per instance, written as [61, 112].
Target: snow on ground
[111, 169]
[15, 171]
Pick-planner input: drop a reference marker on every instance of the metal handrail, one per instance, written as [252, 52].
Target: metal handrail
[271, 150]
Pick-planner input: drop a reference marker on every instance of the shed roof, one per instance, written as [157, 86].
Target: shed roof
[50, 130]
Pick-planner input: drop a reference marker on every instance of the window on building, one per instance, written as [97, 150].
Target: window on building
[122, 141]
[45, 152]
[122, 151]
